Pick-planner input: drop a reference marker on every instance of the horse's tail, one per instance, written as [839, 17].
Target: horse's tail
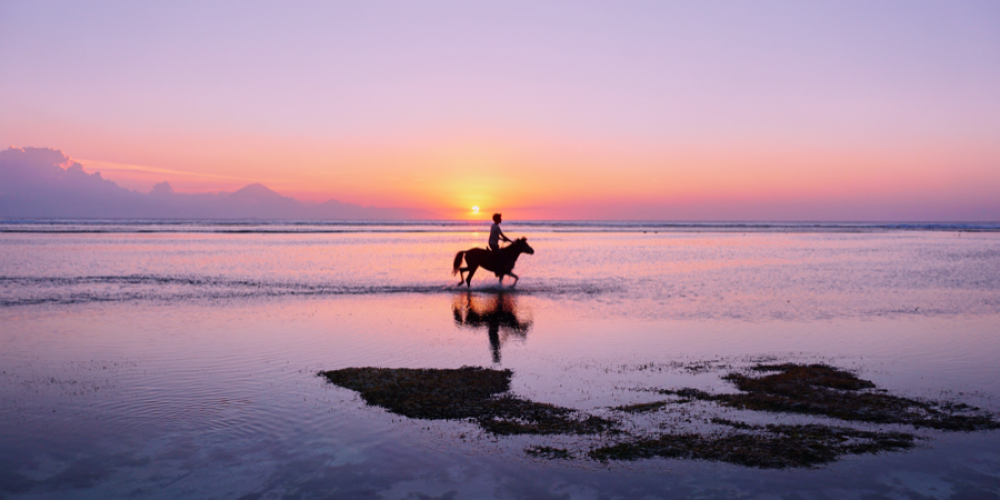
[458, 262]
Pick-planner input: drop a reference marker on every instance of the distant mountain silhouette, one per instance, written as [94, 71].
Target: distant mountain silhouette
[45, 183]
[259, 194]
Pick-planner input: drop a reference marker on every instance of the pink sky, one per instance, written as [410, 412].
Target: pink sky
[686, 111]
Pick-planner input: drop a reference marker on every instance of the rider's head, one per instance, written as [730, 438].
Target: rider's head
[496, 218]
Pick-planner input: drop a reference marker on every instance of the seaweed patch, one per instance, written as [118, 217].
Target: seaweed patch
[478, 394]
[642, 407]
[766, 447]
[548, 452]
[483, 396]
[824, 390]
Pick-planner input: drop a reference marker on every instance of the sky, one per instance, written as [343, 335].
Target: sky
[839, 110]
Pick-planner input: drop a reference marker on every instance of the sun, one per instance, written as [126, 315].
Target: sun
[475, 210]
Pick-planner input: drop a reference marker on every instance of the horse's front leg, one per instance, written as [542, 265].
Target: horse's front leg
[512, 285]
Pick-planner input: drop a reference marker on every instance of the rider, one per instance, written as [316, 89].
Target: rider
[496, 234]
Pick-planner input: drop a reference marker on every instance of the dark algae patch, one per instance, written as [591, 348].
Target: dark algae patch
[483, 396]
[548, 452]
[766, 447]
[427, 394]
[824, 390]
[478, 394]
[642, 407]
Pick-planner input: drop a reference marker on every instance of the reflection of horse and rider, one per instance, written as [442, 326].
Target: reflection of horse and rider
[498, 260]
[497, 313]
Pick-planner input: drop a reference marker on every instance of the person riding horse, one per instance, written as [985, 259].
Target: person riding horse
[500, 261]
[496, 235]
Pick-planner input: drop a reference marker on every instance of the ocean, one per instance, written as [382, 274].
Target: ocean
[167, 359]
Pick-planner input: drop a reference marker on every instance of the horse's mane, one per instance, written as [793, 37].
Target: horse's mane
[513, 243]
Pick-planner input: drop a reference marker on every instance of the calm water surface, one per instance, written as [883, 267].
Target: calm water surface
[167, 360]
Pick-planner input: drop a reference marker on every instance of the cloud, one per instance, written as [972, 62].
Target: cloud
[45, 183]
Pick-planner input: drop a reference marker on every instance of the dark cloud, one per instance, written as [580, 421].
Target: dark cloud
[44, 183]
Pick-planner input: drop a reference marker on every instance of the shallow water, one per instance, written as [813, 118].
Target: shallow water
[151, 360]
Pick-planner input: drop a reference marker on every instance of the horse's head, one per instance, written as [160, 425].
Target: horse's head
[522, 245]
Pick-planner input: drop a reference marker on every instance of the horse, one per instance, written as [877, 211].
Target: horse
[501, 264]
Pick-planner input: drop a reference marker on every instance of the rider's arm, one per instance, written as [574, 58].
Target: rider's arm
[504, 237]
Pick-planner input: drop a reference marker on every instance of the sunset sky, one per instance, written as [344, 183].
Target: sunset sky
[840, 110]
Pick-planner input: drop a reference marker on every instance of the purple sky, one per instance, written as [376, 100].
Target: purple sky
[442, 105]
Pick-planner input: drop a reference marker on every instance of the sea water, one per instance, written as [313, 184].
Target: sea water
[172, 359]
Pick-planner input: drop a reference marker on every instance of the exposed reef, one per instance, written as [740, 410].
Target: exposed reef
[548, 452]
[482, 396]
[766, 447]
[642, 407]
[478, 394]
[824, 390]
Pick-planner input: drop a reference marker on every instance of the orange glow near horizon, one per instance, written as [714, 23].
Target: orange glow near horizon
[563, 180]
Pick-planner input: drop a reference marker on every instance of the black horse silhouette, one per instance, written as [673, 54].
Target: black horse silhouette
[497, 314]
[502, 264]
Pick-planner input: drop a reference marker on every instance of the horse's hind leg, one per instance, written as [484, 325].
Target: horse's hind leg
[462, 275]
[468, 279]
